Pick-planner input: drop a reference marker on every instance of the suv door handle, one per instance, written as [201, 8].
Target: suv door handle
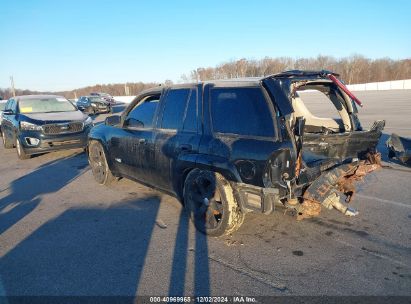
[185, 147]
[142, 141]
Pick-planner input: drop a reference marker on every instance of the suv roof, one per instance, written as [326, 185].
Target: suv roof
[247, 81]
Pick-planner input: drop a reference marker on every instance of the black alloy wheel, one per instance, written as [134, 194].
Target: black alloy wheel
[210, 204]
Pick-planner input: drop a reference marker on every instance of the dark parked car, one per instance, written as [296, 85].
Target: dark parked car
[105, 96]
[226, 148]
[2, 107]
[41, 123]
[93, 105]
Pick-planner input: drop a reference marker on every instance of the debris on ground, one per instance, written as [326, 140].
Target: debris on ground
[230, 243]
[399, 148]
[160, 223]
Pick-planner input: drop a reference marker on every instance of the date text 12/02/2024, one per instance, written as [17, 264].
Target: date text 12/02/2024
[233, 299]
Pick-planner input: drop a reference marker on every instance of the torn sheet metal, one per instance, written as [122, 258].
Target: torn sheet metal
[400, 148]
[336, 187]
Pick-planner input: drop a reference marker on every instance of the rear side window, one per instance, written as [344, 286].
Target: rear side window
[174, 109]
[242, 111]
[142, 115]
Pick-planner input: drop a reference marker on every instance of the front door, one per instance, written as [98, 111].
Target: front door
[132, 147]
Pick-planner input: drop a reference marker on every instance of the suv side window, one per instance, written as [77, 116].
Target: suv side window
[141, 116]
[242, 111]
[174, 109]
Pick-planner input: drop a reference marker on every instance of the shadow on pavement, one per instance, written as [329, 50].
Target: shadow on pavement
[99, 252]
[83, 252]
[179, 265]
[26, 192]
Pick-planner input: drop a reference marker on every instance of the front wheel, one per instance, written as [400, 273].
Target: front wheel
[20, 151]
[210, 203]
[6, 142]
[98, 162]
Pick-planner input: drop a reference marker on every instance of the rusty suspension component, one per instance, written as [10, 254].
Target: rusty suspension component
[329, 189]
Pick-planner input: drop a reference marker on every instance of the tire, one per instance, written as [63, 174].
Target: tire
[210, 203]
[20, 151]
[391, 154]
[98, 162]
[6, 142]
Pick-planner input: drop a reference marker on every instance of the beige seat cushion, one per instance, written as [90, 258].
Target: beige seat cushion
[311, 120]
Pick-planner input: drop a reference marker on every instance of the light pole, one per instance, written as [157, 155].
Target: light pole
[12, 86]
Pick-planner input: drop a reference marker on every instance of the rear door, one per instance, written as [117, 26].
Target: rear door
[177, 137]
[243, 132]
[132, 146]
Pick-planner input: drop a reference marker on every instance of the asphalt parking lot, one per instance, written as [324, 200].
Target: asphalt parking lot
[62, 234]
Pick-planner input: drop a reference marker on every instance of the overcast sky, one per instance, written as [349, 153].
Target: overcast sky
[61, 45]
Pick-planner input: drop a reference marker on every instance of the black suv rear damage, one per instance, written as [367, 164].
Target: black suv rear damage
[331, 153]
[229, 147]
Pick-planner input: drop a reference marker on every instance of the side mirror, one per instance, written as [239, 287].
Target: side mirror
[299, 126]
[112, 120]
[8, 112]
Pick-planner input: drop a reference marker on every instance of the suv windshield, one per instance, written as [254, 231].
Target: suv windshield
[45, 105]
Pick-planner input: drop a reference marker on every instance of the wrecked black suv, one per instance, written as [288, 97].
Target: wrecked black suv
[229, 147]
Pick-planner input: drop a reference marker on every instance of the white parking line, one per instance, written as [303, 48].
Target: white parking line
[384, 201]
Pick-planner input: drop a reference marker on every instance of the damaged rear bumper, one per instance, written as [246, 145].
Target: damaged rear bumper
[253, 198]
[336, 187]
